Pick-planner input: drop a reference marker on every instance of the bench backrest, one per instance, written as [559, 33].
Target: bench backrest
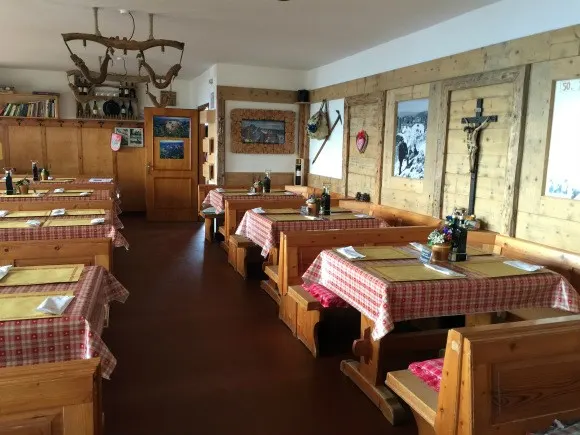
[204, 189]
[511, 378]
[299, 249]
[394, 216]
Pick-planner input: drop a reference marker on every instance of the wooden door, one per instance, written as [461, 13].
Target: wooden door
[171, 141]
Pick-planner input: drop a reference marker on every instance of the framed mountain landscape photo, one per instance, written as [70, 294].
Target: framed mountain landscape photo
[263, 131]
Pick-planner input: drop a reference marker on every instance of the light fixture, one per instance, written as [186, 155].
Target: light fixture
[126, 45]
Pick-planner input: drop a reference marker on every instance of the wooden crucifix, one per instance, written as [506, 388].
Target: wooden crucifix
[473, 128]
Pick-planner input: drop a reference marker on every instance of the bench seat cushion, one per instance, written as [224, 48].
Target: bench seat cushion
[326, 298]
[559, 429]
[210, 211]
[429, 372]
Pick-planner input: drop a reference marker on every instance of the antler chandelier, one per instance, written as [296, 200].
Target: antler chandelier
[125, 44]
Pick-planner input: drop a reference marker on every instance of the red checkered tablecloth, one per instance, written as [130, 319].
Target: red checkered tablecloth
[217, 199]
[75, 335]
[100, 231]
[386, 302]
[97, 195]
[265, 232]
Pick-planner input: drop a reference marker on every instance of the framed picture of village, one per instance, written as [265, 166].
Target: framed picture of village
[256, 131]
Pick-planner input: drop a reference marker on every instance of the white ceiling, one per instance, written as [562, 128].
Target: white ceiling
[297, 34]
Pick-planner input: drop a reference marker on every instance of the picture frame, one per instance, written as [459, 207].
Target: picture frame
[130, 137]
[410, 139]
[256, 131]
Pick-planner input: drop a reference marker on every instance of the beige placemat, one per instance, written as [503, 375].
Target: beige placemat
[58, 180]
[339, 210]
[31, 194]
[476, 252]
[281, 211]
[494, 269]
[10, 224]
[29, 213]
[77, 222]
[380, 253]
[22, 307]
[288, 217]
[45, 294]
[345, 216]
[85, 212]
[413, 272]
[73, 192]
[34, 275]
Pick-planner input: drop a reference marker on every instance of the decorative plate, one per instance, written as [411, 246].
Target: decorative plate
[362, 140]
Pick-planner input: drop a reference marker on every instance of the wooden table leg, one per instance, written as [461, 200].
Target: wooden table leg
[369, 373]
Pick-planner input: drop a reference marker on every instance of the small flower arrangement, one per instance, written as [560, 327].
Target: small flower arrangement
[23, 182]
[441, 236]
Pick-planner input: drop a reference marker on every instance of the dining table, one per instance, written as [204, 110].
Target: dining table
[217, 198]
[390, 284]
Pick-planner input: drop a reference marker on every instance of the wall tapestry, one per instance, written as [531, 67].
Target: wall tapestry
[411, 139]
[563, 177]
[263, 131]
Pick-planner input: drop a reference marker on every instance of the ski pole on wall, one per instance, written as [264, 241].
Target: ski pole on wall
[339, 119]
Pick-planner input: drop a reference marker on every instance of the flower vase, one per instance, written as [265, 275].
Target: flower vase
[23, 189]
[440, 252]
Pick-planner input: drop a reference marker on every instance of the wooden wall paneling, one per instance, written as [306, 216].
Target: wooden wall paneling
[97, 153]
[4, 151]
[25, 144]
[62, 150]
[557, 44]
[414, 195]
[543, 219]
[517, 78]
[304, 141]
[363, 171]
[131, 177]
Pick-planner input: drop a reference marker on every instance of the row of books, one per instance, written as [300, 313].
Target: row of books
[37, 109]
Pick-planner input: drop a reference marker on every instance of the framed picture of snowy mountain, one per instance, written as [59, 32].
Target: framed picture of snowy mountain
[411, 139]
[563, 177]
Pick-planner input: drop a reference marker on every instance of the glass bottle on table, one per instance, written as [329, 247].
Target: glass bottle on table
[325, 200]
[267, 181]
[8, 179]
[35, 176]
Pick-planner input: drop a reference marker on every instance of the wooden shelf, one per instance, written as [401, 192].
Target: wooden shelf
[107, 119]
[87, 98]
[26, 98]
[208, 145]
[27, 117]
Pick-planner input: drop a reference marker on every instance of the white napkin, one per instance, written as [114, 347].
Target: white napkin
[220, 190]
[252, 193]
[100, 180]
[51, 178]
[259, 210]
[55, 304]
[362, 216]
[3, 213]
[33, 223]
[85, 193]
[97, 221]
[313, 218]
[350, 253]
[4, 270]
[289, 193]
[418, 246]
[442, 270]
[523, 265]
[58, 212]
[59, 190]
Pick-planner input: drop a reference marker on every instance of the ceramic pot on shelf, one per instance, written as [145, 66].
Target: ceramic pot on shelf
[440, 252]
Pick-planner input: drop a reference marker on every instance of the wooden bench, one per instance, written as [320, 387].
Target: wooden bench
[507, 379]
[53, 398]
[565, 263]
[211, 220]
[299, 249]
[238, 253]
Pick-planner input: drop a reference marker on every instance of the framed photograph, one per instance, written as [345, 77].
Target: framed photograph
[263, 131]
[171, 126]
[411, 139]
[171, 149]
[125, 135]
[562, 176]
[136, 137]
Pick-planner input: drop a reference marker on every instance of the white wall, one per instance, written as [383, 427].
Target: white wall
[499, 22]
[257, 163]
[26, 80]
[202, 87]
[329, 162]
[260, 77]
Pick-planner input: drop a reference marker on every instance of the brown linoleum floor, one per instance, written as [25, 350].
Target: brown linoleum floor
[201, 351]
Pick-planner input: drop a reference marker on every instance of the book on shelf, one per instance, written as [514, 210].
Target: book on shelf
[37, 109]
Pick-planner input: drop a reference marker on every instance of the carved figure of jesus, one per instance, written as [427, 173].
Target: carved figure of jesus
[473, 143]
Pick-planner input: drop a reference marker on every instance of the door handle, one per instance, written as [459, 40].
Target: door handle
[149, 167]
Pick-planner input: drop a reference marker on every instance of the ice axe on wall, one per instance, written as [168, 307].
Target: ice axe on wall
[339, 119]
